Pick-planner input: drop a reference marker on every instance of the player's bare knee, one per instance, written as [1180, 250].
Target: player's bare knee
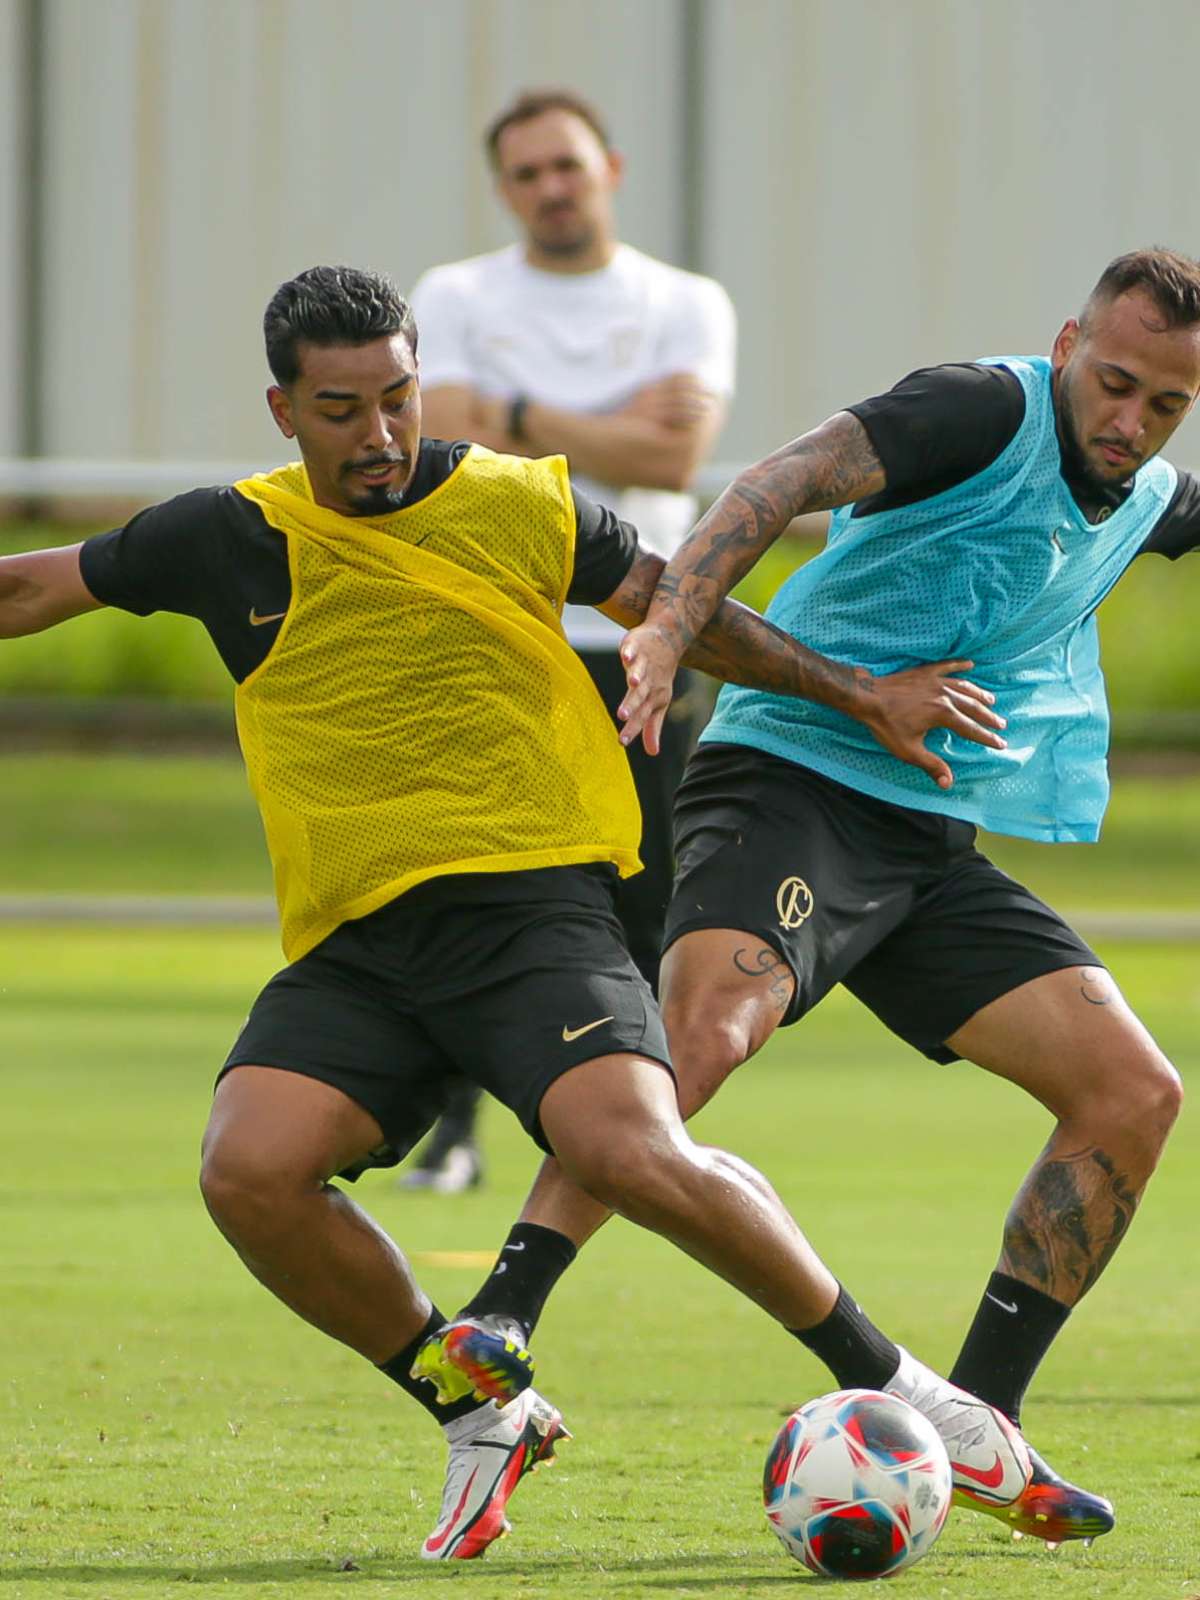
[244, 1194]
[634, 1174]
[706, 1046]
[1162, 1096]
[1137, 1104]
[607, 1175]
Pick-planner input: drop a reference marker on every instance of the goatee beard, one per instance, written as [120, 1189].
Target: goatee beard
[1074, 459]
[377, 502]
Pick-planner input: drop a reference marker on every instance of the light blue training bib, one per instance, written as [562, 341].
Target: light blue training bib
[1003, 569]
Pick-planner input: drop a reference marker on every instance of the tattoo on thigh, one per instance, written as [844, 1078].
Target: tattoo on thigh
[1068, 1219]
[767, 963]
[1096, 987]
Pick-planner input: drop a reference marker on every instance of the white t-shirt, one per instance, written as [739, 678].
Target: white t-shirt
[581, 342]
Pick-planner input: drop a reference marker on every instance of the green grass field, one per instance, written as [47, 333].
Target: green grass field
[165, 1423]
[106, 824]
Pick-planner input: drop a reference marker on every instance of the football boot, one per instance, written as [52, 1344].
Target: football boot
[988, 1457]
[1048, 1508]
[483, 1356]
[490, 1452]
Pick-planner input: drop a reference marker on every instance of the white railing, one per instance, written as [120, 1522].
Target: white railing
[51, 478]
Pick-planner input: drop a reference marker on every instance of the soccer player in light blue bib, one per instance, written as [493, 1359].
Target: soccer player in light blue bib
[981, 513]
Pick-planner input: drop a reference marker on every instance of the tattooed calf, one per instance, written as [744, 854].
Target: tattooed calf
[1068, 1219]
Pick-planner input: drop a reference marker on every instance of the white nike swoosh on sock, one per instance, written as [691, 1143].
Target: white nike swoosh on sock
[1003, 1304]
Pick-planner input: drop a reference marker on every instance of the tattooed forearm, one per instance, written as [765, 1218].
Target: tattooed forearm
[831, 466]
[1067, 1220]
[628, 605]
[738, 646]
[767, 963]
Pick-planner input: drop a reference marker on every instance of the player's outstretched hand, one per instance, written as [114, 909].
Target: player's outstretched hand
[902, 707]
[650, 665]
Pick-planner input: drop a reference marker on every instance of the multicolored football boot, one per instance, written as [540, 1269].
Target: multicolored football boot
[483, 1356]
[989, 1459]
[490, 1453]
[1048, 1508]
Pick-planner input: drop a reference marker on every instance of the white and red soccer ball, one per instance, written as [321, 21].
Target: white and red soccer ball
[857, 1484]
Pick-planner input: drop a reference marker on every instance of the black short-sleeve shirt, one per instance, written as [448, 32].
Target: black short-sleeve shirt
[211, 554]
[942, 425]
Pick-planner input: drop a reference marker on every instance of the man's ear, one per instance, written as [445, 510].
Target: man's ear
[1064, 345]
[281, 410]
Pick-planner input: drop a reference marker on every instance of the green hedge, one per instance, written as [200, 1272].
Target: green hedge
[109, 653]
[1151, 653]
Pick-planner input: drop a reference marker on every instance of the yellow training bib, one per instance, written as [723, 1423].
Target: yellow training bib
[421, 712]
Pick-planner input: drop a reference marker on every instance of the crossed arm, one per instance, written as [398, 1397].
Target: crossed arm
[40, 588]
[688, 619]
[655, 441]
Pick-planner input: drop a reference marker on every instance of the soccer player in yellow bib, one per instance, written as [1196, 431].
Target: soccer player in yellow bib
[447, 810]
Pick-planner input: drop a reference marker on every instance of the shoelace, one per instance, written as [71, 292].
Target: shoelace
[948, 1415]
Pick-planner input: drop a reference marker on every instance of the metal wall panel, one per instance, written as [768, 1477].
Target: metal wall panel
[203, 150]
[13, 244]
[898, 182]
[93, 250]
[879, 183]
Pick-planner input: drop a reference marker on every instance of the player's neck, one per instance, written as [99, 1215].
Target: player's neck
[593, 257]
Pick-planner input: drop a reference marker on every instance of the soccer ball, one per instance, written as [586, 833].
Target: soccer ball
[857, 1484]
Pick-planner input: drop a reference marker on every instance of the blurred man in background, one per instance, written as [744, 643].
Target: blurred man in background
[571, 342]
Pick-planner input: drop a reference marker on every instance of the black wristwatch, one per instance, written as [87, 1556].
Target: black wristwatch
[517, 408]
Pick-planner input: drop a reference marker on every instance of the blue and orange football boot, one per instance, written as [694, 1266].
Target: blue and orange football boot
[993, 1468]
[483, 1356]
[1048, 1508]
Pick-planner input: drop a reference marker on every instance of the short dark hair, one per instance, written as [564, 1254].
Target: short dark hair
[532, 103]
[332, 305]
[1171, 280]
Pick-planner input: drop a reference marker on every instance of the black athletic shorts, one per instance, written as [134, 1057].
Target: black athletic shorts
[507, 979]
[896, 904]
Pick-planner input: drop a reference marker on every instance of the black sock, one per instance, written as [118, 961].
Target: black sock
[1013, 1328]
[530, 1263]
[851, 1346]
[424, 1393]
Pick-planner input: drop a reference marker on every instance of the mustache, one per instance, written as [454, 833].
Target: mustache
[373, 461]
[1117, 444]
